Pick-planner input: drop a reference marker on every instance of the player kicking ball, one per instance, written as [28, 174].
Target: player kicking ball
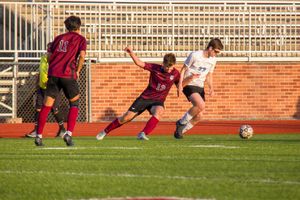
[161, 79]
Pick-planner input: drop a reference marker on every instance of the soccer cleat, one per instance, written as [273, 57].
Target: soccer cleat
[32, 134]
[68, 139]
[179, 128]
[38, 141]
[142, 136]
[101, 135]
[61, 132]
[177, 135]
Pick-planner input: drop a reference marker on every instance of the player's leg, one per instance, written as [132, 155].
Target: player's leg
[38, 107]
[71, 91]
[116, 123]
[73, 113]
[132, 112]
[32, 134]
[196, 96]
[157, 113]
[43, 115]
[60, 121]
[198, 105]
[197, 118]
[50, 93]
[72, 118]
[58, 116]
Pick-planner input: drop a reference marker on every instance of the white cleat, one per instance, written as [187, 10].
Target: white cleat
[101, 135]
[31, 135]
[142, 136]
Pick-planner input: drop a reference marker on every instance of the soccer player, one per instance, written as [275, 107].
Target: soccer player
[162, 77]
[42, 84]
[197, 69]
[64, 70]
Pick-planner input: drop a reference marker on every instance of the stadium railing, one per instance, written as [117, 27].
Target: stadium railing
[250, 30]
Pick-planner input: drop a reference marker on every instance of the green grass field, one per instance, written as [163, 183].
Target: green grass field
[199, 166]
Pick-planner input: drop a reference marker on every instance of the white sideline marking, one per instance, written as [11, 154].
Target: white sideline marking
[266, 181]
[142, 198]
[214, 146]
[76, 148]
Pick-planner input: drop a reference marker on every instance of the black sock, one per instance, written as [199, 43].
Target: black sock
[59, 119]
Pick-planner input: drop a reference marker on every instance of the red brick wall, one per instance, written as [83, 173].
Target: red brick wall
[242, 91]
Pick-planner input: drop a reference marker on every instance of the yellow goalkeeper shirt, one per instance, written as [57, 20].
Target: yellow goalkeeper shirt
[43, 71]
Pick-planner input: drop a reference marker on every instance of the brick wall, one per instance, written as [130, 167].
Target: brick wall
[242, 91]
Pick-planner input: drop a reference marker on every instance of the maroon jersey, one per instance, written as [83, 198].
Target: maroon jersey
[65, 50]
[160, 82]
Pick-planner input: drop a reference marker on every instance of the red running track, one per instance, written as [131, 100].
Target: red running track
[163, 128]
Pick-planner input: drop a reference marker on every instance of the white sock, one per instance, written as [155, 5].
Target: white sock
[69, 132]
[187, 127]
[39, 135]
[186, 118]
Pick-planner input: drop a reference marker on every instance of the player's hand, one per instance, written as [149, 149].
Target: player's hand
[179, 89]
[194, 76]
[128, 49]
[77, 73]
[211, 92]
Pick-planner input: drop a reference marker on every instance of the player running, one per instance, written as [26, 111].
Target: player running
[197, 69]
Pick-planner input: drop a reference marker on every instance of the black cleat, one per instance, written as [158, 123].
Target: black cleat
[38, 141]
[60, 132]
[179, 128]
[68, 140]
[177, 135]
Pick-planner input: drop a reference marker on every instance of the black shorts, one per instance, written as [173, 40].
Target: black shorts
[190, 89]
[40, 95]
[140, 105]
[55, 84]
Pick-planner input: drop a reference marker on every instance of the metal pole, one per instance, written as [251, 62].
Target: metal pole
[15, 70]
[89, 92]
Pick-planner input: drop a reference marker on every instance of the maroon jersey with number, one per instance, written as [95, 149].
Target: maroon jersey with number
[160, 82]
[65, 50]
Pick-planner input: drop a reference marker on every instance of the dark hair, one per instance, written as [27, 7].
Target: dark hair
[169, 60]
[49, 45]
[215, 44]
[72, 23]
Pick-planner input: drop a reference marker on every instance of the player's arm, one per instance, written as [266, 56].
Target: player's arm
[188, 79]
[185, 81]
[43, 70]
[179, 85]
[80, 62]
[209, 80]
[135, 59]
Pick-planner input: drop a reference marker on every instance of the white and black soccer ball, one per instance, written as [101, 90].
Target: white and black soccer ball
[246, 131]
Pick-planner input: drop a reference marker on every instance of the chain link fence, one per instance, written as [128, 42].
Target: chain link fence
[18, 86]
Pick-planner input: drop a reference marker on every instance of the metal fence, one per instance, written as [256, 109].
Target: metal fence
[250, 30]
[18, 83]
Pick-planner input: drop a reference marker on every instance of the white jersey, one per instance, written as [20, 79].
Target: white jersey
[197, 64]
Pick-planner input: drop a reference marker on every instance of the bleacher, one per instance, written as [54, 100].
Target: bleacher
[250, 30]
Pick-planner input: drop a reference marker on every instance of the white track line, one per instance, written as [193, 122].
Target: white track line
[265, 181]
[79, 148]
[214, 146]
[143, 198]
[135, 148]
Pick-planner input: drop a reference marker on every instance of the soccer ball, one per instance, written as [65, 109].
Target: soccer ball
[246, 131]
